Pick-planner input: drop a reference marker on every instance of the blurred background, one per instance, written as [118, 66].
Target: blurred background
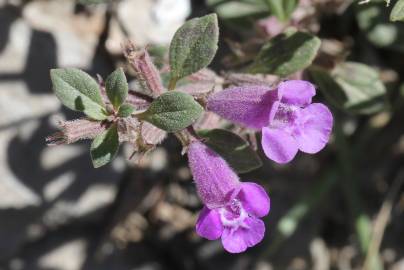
[340, 209]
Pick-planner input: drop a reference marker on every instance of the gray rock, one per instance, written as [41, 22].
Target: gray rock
[147, 22]
[76, 35]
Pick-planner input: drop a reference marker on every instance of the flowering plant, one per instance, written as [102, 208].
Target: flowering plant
[217, 117]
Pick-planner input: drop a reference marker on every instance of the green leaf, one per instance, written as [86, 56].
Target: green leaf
[104, 147]
[352, 86]
[286, 54]
[233, 149]
[116, 87]
[193, 46]
[78, 91]
[282, 9]
[397, 14]
[126, 110]
[173, 111]
[362, 85]
[329, 87]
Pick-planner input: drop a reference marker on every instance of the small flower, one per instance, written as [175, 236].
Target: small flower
[232, 208]
[288, 119]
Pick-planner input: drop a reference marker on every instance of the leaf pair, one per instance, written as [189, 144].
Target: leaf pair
[193, 47]
[106, 145]
[80, 92]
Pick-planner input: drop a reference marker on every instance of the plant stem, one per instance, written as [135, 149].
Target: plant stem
[172, 83]
[382, 220]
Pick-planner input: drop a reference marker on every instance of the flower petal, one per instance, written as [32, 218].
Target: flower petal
[248, 105]
[215, 181]
[297, 92]
[256, 232]
[278, 145]
[254, 199]
[209, 225]
[233, 241]
[236, 241]
[315, 125]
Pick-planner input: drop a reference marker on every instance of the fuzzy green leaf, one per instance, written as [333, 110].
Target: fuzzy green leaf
[104, 147]
[233, 149]
[126, 110]
[193, 46]
[397, 14]
[173, 111]
[286, 53]
[78, 91]
[116, 87]
[352, 86]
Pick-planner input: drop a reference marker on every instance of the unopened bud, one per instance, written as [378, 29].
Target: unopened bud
[146, 71]
[73, 131]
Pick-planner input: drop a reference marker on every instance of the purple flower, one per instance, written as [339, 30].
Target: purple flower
[232, 208]
[288, 119]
